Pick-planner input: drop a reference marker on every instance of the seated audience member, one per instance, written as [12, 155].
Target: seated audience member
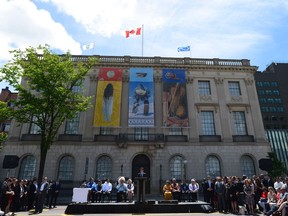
[263, 199]
[282, 200]
[98, 191]
[91, 194]
[193, 188]
[176, 194]
[278, 183]
[184, 187]
[130, 190]
[121, 190]
[83, 184]
[271, 199]
[106, 190]
[167, 190]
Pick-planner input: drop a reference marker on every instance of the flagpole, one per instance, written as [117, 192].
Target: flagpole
[142, 38]
[93, 48]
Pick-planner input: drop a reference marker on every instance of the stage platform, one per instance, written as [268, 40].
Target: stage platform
[150, 206]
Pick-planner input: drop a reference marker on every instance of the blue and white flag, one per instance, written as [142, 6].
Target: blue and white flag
[184, 49]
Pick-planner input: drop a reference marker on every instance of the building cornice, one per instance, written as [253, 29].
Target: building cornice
[191, 64]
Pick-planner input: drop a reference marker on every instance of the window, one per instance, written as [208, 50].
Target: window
[234, 88]
[272, 109]
[177, 167]
[5, 127]
[247, 166]
[267, 84]
[276, 92]
[77, 88]
[264, 109]
[34, 129]
[212, 165]
[27, 168]
[260, 84]
[262, 100]
[175, 131]
[105, 131]
[261, 92]
[141, 134]
[104, 168]
[278, 100]
[270, 100]
[280, 109]
[274, 84]
[72, 125]
[240, 123]
[268, 92]
[204, 87]
[66, 168]
[207, 122]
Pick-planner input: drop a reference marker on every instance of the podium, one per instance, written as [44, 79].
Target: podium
[141, 189]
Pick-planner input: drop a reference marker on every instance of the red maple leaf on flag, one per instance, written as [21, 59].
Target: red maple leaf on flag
[136, 31]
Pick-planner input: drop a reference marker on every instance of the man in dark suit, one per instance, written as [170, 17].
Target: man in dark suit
[141, 172]
[208, 190]
[55, 188]
[31, 193]
[268, 181]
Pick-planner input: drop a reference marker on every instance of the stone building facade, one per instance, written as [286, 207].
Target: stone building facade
[224, 136]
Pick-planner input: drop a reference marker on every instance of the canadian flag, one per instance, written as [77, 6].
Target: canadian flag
[136, 31]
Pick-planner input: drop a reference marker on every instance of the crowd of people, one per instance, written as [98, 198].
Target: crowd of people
[234, 194]
[101, 192]
[23, 195]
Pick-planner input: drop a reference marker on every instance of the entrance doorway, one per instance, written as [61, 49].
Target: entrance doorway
[139, 161]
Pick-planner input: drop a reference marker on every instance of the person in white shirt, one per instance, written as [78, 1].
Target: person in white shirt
[278, 184]
[130, 190]
[193, 188]
[106, 190]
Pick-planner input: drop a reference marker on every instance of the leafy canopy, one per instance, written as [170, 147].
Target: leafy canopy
[46, 95]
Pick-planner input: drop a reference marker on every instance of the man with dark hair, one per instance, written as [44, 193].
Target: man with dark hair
[31, 193]
[55, 189]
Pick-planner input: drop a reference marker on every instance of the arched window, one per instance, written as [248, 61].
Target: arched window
[104, 167]
[212, 164]
[247, 166]
[177, 167]
[66, 168]
[27, 168]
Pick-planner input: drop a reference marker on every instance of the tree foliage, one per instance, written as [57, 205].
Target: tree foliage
[46, 95]
[5, 114]
[278, 167]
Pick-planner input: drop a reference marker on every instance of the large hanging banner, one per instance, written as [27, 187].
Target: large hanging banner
[108, 98]
[141, 98]
[175, 112]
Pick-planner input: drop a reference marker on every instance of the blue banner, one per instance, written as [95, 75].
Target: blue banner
[141, 98]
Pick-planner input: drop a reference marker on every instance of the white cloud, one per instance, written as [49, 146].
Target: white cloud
[23, 25]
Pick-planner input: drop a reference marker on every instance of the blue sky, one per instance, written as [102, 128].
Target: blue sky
[230, 29]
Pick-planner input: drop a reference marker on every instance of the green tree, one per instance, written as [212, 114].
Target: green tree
[278, 167]
[45, 94]
[5, 114]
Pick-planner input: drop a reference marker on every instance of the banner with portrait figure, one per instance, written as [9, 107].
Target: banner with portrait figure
[175, 112]
[141, 98]
[108, 98]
